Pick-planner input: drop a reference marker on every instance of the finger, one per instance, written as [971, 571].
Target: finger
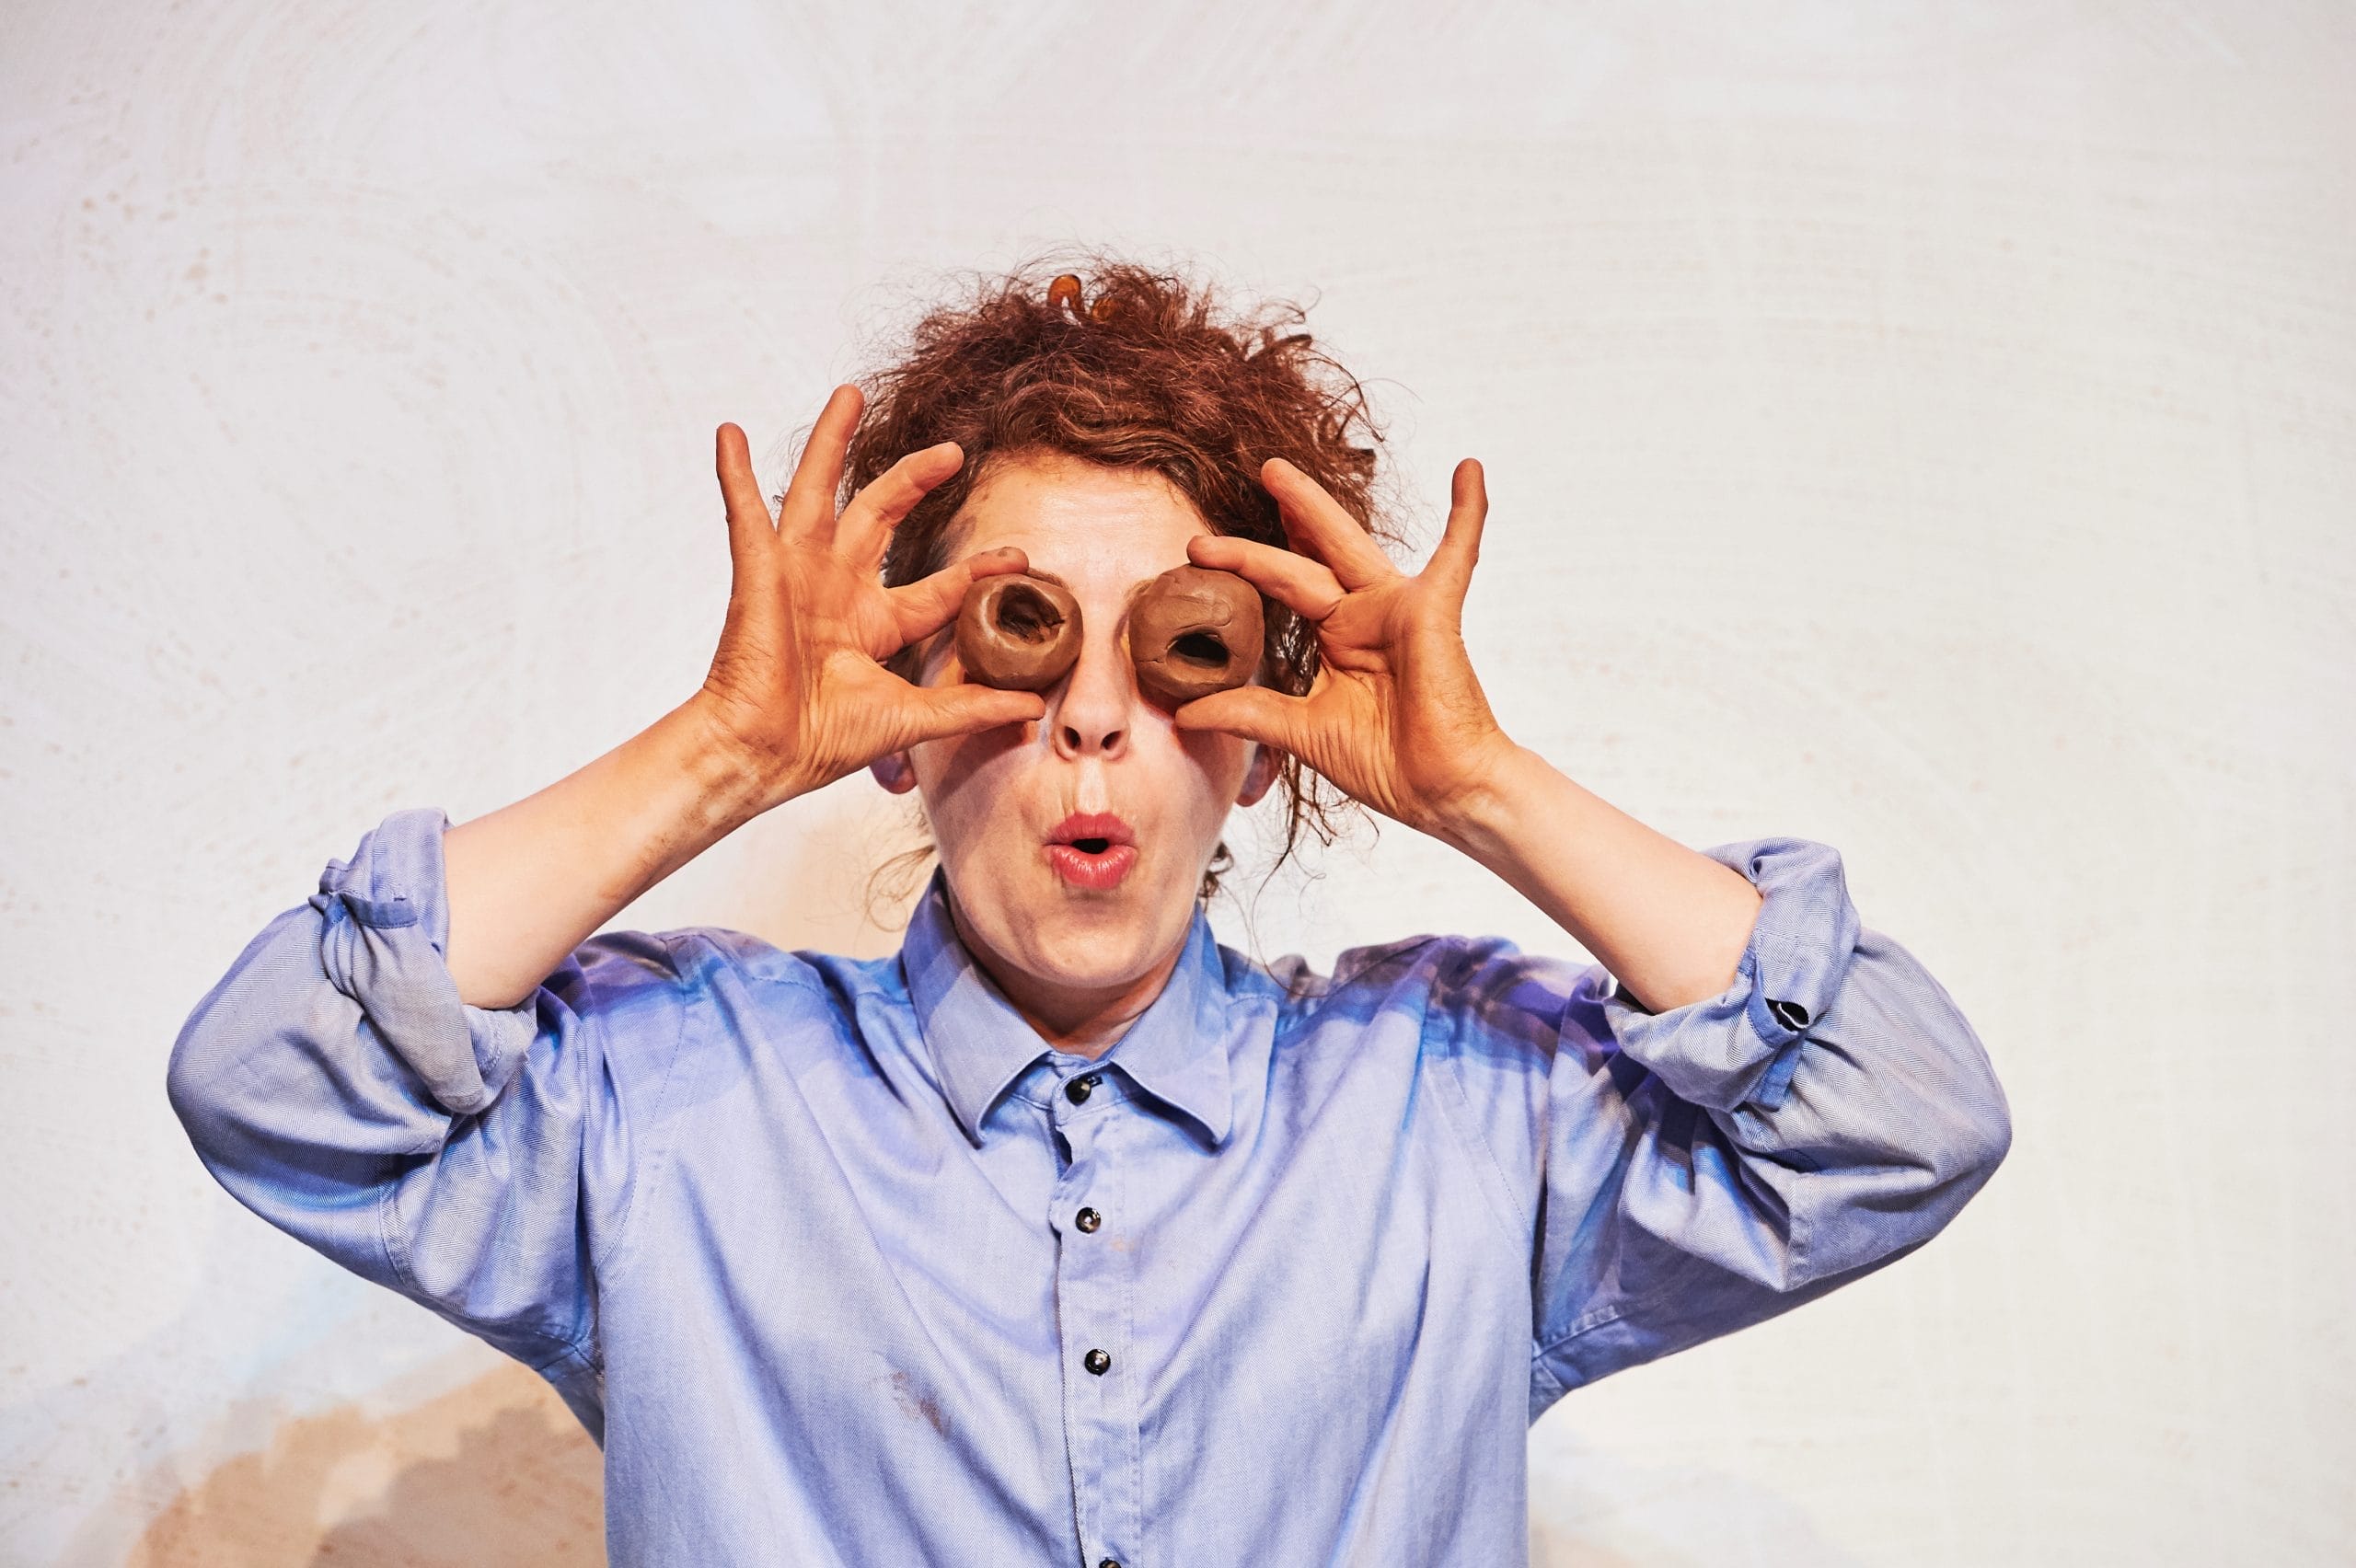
[923, 607]
[1304, 586]
[935, 713]
[808, 510]
[864, 530]
[1317, 522]
[1459, 545]
[748, 515]
[1255, 713]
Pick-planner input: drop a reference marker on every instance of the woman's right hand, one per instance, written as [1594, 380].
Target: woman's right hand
[798, 688]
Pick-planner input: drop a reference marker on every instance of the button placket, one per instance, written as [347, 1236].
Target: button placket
[1093, 1285]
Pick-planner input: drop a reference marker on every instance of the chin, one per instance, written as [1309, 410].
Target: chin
[1077, 936]
[1089, 940]
[1087, 972]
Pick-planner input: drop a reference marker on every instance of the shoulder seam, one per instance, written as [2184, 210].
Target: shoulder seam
[799, 975]
[1374, 954]
[611, 1256]
[1466, 1127]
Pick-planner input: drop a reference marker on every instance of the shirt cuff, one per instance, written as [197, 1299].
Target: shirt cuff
[387, 929]
[1742, 1045]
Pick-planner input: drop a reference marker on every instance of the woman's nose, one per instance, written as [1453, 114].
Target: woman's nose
[1098, 702]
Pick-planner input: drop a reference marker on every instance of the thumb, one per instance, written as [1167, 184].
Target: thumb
[935, 713]
[1255, 713]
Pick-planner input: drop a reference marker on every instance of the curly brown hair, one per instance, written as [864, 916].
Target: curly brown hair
[1118, 363]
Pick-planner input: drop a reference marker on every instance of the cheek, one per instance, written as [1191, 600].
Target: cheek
[968, 782]
[1218, 763]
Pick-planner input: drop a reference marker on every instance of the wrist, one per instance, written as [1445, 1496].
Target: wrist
[732, 781]
[1481, 813]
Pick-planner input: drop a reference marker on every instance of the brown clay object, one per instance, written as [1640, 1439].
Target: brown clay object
[1017, 631]
[1194, 630]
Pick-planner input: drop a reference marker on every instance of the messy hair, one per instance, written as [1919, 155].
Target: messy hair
[1121, 364]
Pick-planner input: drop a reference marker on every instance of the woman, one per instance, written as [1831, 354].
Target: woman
[1067, 1234]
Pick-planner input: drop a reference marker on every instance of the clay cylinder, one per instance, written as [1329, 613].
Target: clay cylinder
[1193, 631]
[1017, 631]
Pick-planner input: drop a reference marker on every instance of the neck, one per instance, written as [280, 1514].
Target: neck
[1082, 1021]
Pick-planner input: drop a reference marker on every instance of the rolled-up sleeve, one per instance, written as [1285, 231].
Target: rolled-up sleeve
[1695, 1172]
[480, 1161]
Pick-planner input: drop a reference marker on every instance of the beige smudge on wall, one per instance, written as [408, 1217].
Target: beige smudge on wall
[495, 1472]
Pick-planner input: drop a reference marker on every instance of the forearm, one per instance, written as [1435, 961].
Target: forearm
[1670, 923]
[529, 882]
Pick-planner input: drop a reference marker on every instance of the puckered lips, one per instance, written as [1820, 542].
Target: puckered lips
[1091, 849]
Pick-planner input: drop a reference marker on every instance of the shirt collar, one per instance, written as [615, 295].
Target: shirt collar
[1176, 1050]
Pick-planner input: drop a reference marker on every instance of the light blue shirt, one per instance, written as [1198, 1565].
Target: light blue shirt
[842, 1265]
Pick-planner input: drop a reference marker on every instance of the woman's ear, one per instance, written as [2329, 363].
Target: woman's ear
[894, 772]
[1262, 773]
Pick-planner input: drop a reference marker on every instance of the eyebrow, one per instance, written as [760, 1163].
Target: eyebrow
[1042, 573]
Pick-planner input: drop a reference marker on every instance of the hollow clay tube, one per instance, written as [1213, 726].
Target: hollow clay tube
[1017, 631]
[1194, 630]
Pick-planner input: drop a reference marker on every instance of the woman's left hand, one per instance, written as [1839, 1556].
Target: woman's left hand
[1395, 716]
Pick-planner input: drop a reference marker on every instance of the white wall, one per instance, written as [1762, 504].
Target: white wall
[1929, 430]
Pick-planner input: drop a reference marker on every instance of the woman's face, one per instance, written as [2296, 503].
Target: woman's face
[1073, 923]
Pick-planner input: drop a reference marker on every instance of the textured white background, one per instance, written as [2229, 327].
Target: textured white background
[1928, 430]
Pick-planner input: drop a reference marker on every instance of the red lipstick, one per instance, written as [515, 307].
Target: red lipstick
[1091, 849]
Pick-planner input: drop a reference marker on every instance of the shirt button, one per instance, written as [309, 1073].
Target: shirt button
[1096, 1361]
[1077, 1089]
[1108, 1563]
[1088, 1220]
